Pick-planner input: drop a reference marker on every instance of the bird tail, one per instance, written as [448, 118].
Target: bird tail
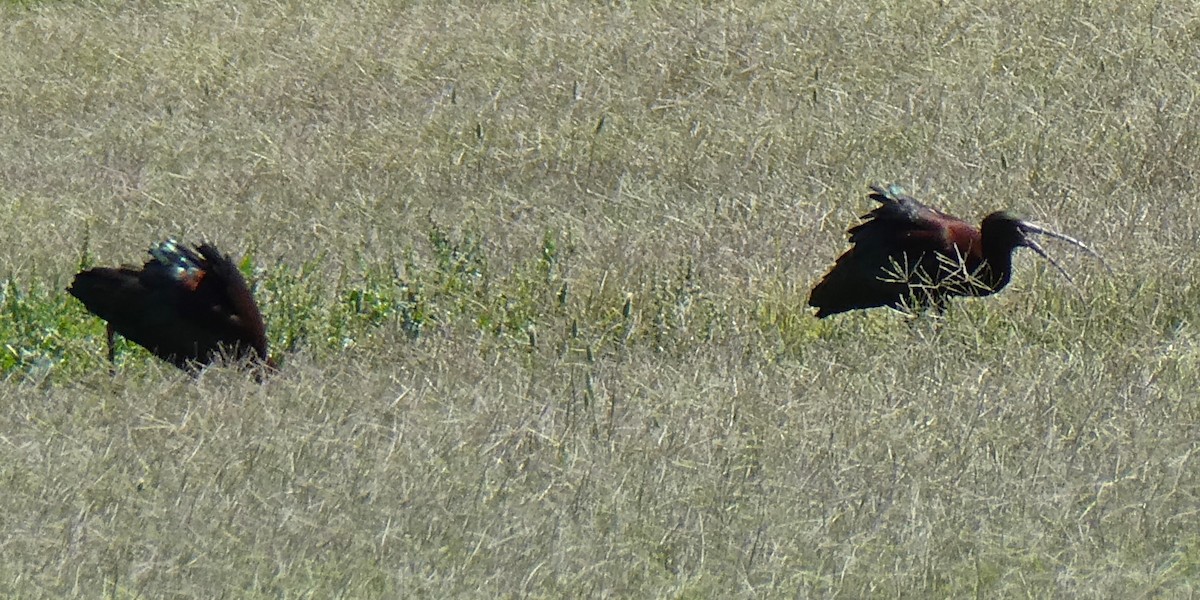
[107, 292]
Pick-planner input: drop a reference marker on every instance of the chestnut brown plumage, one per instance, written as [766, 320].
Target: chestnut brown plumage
[188, 307]
[905, 253]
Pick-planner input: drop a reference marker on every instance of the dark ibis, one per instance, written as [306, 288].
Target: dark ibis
[189, 307]
[907, 255]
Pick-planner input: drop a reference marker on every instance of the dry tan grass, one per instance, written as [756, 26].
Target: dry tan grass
[538, 275]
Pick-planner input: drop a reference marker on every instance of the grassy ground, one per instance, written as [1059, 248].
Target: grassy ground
[537, 275]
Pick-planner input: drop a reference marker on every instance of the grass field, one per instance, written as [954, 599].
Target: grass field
[537, 274]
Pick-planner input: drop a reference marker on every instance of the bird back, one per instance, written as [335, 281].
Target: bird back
[896, 242]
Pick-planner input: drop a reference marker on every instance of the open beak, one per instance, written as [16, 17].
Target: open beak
[1032, 245]
[1027, 227]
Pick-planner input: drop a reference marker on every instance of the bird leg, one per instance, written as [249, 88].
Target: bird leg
[112, 351]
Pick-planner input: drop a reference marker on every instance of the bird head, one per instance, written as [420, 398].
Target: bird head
[1009, 231]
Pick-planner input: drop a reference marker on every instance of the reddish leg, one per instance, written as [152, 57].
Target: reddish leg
[112, 352]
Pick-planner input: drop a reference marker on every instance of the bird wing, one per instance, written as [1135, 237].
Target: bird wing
[903, 221]
[895, 239]
[145, 310]
[869, 274]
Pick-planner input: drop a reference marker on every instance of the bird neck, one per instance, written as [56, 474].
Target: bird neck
[996, 269]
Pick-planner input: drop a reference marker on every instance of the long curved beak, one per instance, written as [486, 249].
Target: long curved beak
[1032, 228]
[1032, 245]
